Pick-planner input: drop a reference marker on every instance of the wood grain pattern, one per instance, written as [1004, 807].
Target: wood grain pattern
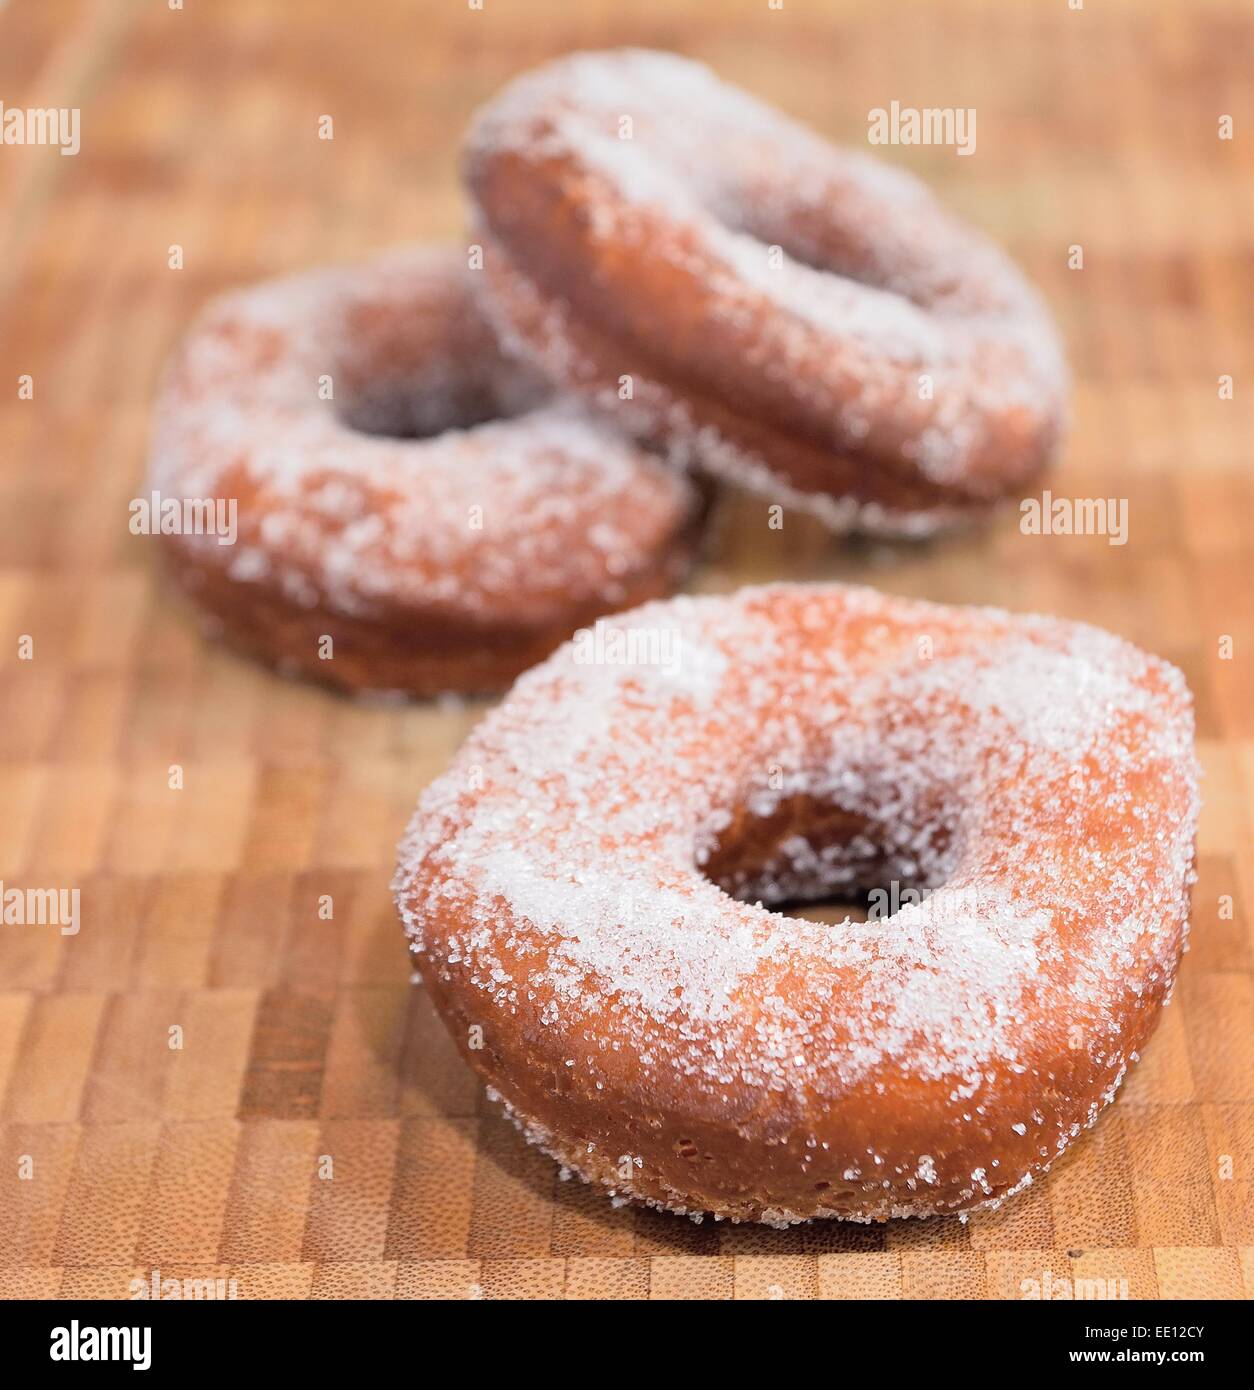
[315, 1135]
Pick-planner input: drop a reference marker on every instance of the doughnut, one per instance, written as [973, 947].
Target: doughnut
[799, 319]
[415, 512]
[588, 891]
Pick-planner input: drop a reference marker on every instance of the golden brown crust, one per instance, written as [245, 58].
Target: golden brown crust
[407, 651]
[583, 891]
[790, 316]
[413, 513]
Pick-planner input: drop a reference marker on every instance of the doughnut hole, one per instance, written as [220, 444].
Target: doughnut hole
[813, 858]
[406, 376]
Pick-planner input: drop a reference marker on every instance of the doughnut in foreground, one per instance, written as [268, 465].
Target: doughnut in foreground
[584, 895]
[797, 318]
[415, 514]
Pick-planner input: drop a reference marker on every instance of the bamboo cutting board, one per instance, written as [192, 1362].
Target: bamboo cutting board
[314, 1133]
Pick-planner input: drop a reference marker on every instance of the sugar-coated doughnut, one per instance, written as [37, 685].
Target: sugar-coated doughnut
[415, 513]
[584, 889]
[796, 317]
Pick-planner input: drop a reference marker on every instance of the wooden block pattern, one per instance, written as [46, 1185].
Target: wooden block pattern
[217, 1079]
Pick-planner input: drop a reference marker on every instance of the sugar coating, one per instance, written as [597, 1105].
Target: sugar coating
[841, 280]
[524, 513]
[653, 412]
[1037, 776]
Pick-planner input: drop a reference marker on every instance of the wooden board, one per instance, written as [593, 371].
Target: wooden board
[304, 1050]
